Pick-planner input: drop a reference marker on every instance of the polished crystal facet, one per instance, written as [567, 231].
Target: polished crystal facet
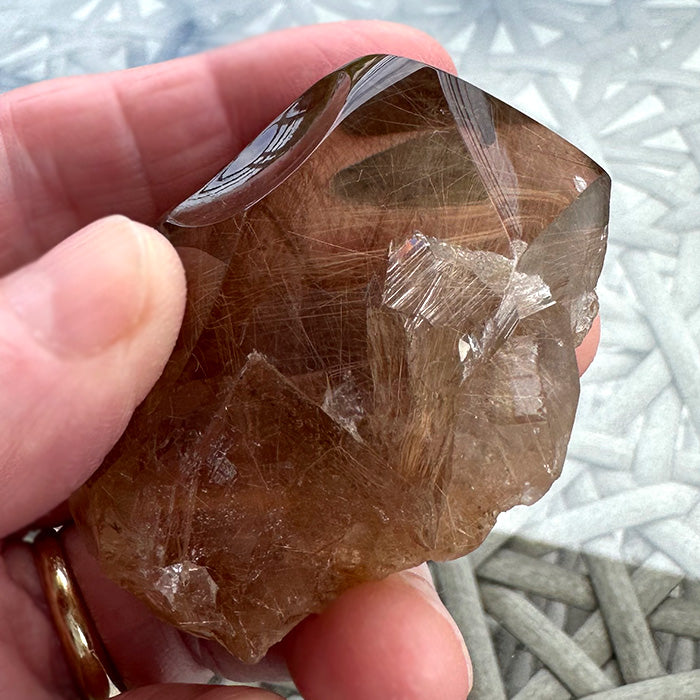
[385, 292]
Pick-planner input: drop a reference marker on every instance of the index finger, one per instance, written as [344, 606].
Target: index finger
[137, 142]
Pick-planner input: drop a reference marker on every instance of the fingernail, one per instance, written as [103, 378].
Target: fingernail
[85, 294]
[421, 579]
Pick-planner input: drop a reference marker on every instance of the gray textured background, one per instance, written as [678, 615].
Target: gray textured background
[621, 80]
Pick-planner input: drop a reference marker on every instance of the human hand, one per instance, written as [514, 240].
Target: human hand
[86, 330]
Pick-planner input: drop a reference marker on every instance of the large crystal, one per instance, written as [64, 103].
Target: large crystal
[385, 292]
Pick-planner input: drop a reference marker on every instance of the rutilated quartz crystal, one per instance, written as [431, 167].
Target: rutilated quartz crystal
[385, 292]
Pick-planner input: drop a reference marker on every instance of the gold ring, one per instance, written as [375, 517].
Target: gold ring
[92, 670]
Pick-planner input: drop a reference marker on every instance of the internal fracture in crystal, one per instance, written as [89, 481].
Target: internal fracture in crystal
[385, 292]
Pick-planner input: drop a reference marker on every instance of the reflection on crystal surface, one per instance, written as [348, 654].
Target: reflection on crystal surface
[385, 293]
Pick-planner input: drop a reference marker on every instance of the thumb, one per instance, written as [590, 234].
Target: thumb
[85, 331]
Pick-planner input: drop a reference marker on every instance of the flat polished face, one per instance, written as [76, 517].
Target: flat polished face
[385, 292]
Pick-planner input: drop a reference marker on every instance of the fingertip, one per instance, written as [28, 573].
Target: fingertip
[164, 277]
[405, 40]
[85, 331]
[382, 639]
[586, 351]
[101, 285]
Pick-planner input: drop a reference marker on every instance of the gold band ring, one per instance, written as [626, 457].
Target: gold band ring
[90, 666]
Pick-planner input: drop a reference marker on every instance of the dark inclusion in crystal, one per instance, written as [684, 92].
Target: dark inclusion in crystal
[385, 292]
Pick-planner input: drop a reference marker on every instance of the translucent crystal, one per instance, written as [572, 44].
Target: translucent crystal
[385, 292]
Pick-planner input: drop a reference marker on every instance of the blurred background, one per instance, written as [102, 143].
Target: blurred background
[618, 536]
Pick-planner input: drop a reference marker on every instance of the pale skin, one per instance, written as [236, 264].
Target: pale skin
[89, 310]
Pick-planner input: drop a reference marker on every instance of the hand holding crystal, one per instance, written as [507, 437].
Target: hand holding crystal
[89, 311]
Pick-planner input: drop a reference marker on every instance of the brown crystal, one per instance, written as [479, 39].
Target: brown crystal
[385, 292]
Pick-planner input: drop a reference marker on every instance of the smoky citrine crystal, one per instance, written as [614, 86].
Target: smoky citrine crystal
[386, 288]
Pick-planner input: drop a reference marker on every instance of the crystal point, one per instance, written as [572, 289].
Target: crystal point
[385, 290]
